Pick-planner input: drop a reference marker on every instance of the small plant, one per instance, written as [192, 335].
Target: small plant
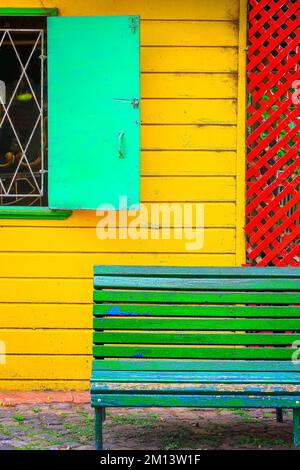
[261, 442]
[172, 445]
[135, 418]
[239, 411]
[23, 428]
[19, 418]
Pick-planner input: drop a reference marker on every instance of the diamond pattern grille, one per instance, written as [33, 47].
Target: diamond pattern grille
[273, 123]
[22, 136]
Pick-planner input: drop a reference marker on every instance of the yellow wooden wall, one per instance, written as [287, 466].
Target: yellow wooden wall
[192, 150]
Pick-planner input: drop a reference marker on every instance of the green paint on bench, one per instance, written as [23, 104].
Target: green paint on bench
[197, 310]
[207, 297]
[193, 352]
[146, 323]
[193, 338]
[200, 337]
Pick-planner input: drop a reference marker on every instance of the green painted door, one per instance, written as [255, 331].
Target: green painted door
[93, 112]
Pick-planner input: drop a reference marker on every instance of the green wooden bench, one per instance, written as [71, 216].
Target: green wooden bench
[196, 337]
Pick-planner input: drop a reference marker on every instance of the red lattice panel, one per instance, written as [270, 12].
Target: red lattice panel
[273, 122]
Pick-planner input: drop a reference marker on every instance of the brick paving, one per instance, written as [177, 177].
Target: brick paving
[17, 398]
[69, 425]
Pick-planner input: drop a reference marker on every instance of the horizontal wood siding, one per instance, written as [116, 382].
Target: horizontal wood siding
[189, 80]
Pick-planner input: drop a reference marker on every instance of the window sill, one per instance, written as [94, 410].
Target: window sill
[33, 213]
[29, 11]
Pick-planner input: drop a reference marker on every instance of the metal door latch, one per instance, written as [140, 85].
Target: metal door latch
[121, 152]
[135, 102]
[134, 23]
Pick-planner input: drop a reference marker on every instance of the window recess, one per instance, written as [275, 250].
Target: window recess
[23, 108]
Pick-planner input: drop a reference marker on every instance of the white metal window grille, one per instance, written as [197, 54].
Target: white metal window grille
[22, 117]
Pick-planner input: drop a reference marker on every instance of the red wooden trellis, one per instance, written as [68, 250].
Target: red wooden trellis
[273, 137]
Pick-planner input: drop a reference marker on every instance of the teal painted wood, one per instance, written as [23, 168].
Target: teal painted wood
[192, 271]
[144, 296]
[296, 426]
[94, 129]
[198, 377]
[98, 427]
[195, 388]
[188, 365]
[197, 283]
[201, 401]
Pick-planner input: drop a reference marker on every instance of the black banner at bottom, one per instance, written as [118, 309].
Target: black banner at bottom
[145, 459]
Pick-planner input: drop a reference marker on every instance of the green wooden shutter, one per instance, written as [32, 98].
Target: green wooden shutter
[93, 111]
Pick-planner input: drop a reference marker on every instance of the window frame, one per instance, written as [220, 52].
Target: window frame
[27, 212]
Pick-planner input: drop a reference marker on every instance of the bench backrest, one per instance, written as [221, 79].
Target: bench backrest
[196, 313]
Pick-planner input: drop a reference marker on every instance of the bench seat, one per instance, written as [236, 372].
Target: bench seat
[196, 337]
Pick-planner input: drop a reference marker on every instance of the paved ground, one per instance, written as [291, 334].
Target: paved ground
[70, 426]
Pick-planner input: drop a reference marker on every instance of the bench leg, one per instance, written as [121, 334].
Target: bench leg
[296, 425]
[98, 427]
[279, 415]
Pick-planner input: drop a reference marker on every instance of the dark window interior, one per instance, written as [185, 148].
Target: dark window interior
[23, 130]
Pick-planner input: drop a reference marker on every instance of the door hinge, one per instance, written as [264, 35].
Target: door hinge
[134, 23]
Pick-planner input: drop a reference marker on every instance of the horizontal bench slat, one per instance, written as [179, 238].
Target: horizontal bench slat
[193, 352]
[196, 310]
[143, 296]
[200, 365]
[195, 388]
[192, 271]
[194, 283]
[197, 401]
[146, 323]
[197, 377]
[194, 338]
